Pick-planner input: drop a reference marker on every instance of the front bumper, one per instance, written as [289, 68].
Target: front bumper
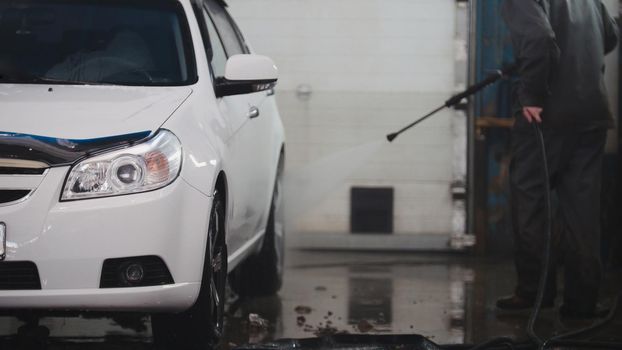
[69, 241]
[174, 297]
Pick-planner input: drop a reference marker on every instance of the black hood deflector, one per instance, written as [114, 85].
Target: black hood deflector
[59, 152]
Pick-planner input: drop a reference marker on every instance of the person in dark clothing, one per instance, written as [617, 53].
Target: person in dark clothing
[560, 48]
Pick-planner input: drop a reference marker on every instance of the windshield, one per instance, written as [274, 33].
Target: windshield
[95, 42]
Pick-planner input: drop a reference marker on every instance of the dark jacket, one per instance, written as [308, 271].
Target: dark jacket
[560, 46]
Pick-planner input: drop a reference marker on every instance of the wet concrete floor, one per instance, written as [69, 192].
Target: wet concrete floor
[447, 298]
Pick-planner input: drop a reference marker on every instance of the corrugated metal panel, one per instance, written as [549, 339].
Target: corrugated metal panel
[491, 143]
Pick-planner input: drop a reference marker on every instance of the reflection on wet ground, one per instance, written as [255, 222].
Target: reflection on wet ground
[448, 298]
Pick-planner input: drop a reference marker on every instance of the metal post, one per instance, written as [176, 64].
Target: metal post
[471, 119]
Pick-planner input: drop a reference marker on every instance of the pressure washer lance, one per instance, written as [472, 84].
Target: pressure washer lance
[454, 100]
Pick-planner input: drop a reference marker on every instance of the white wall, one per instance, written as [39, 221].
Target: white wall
[354, 45]
[372, 66]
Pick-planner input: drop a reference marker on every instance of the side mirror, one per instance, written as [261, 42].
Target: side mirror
[246, 74]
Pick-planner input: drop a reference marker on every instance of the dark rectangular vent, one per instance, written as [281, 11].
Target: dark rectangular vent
[371, 210]
[8, 196]
[19, 275]
[21, 171]
[154, 272]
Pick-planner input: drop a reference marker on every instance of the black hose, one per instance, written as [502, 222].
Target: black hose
[547, 266]
[565, 337]
[583, 344]
[562, 339]
[544, 276]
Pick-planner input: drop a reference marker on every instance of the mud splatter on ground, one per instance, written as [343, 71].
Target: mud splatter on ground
[364, 326]
[303, 310]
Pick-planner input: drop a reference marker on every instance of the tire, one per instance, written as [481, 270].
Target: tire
[262, 274]
[202, 324]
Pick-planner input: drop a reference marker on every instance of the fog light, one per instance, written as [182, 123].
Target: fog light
[134, 273]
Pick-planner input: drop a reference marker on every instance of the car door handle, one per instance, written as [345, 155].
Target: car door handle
[253, 112]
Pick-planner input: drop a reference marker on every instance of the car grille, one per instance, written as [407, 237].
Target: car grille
[155, 272]
[8, 196]
[21, 171]
[19, 275]
[19, 178]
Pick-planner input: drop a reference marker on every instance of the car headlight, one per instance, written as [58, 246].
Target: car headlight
[145, 167]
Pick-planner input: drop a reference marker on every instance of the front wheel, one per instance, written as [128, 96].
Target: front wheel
[202, 324]
[262, 274]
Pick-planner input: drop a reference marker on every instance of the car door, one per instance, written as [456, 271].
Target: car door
[249, 159]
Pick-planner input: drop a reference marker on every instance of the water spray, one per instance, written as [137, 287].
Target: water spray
[456, 99]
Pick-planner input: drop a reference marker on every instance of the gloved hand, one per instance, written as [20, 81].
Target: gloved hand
[533, 114]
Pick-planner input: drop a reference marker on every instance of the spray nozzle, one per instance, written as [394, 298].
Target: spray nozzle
[392, 136]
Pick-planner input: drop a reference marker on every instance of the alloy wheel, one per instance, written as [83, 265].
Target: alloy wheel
[218, 266]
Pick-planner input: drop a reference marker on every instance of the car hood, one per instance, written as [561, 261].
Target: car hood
[86, 112]
[59, 125]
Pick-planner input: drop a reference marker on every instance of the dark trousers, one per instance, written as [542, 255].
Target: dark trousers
[575, 165]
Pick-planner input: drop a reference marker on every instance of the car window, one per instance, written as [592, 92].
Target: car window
[229, 34]
[124, 43]
[214, 48]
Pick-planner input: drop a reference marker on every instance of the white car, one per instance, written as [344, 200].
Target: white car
[141, 153]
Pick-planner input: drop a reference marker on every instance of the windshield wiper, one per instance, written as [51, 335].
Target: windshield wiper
[43, 80]
[35, 79]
